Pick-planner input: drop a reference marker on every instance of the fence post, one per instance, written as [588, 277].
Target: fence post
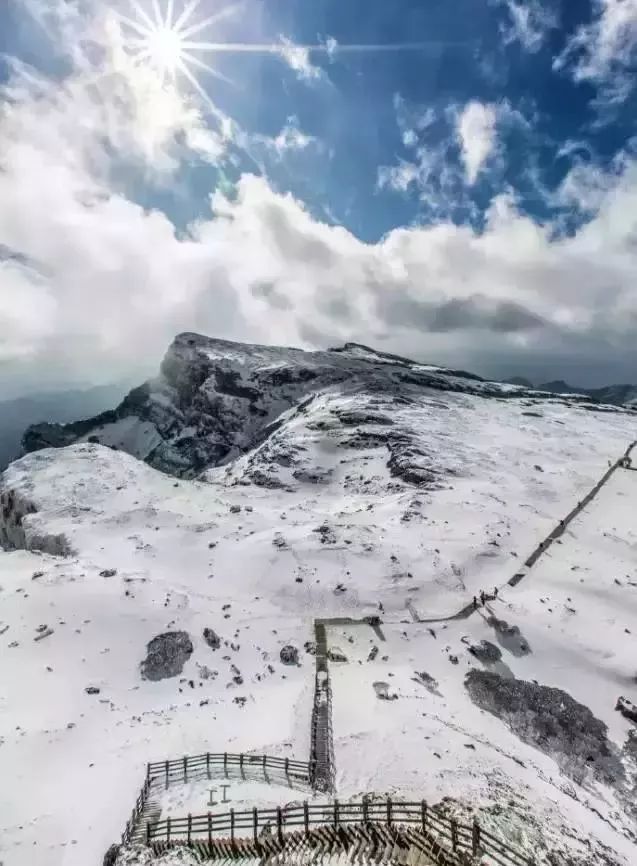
[148, 832]
[232, 827]
[336, 813]
[148, 771]
[166, 773]
[255, 823]
[185, 769]
[225, 764]
[365, 810]
[168, 829]
[306, 817]
[241, 764]
[210, 830]
[475, 838]
[208, 764]
[389, 811]
[454, 834]
[287, 769]
[265, 761]
[423, 815]
[189, 828]
[279, 824]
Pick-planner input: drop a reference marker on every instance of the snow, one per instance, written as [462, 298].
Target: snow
[76, 761]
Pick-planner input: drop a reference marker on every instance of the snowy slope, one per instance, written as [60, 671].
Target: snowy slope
[408, 496]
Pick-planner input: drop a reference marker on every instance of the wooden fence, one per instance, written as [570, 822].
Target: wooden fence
[193, 767]
[189, 768]
[453, 835]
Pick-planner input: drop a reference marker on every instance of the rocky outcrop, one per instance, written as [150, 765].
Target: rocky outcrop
[551, 720]
[19, 528]
[166, 655]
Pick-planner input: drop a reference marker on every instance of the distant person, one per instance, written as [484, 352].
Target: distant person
[482, 597]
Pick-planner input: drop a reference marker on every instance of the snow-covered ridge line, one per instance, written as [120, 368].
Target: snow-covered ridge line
[215, 400]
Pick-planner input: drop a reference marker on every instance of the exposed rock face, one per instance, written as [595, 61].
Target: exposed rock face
[19, 526]
[551, 720]
[166, 655]
[627, 709]
[215, 400]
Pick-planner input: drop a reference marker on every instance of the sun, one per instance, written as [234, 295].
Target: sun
[165, 50]
[168, 42]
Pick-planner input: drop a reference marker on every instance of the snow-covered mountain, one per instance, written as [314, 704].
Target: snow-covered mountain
[300, 486]
[215, 400]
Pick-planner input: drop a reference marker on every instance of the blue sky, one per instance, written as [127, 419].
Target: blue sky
[452, 179]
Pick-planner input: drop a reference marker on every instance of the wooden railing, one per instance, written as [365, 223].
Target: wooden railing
[192, 767]
[453, 835]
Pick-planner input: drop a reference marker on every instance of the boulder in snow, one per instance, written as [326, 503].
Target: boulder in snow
[289, 655]
[166, 655]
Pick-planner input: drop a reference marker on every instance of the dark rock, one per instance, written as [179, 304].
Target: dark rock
[211, 638]
[92, 690]
[372, 653]
[235, 509]
[108, 572]
[289, 655]
[166, 655]
[627, 709]
[110, 858]
[486, 652]
[552, 721]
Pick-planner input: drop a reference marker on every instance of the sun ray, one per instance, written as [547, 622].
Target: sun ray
[185, 15]
[135, 25]
[229, 47]
[142, 14]
[193, 80]
[189, 58]
[170, 11]
[159, 21]
[226, 12]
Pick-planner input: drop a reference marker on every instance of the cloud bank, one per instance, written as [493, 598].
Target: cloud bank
[93, 285]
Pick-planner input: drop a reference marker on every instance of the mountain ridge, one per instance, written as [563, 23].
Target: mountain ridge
[215, 399]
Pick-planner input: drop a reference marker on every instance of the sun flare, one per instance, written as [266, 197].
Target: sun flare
[170, 42]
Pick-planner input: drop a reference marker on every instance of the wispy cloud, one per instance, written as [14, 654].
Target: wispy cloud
[529, 22]
[476, 131]
[604, 51]
[298, 59]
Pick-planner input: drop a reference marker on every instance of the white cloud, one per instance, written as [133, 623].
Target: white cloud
[605, 51]
[529, 22]
[476, 131]
[298, 59]
[93, 286]
[291, 138]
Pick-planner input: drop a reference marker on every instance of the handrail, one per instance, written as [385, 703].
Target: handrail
[455, 837]
[196, 766]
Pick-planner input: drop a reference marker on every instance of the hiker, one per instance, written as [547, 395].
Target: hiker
[482, 597]
[380, 607]
[495, 592]
[475, 603]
